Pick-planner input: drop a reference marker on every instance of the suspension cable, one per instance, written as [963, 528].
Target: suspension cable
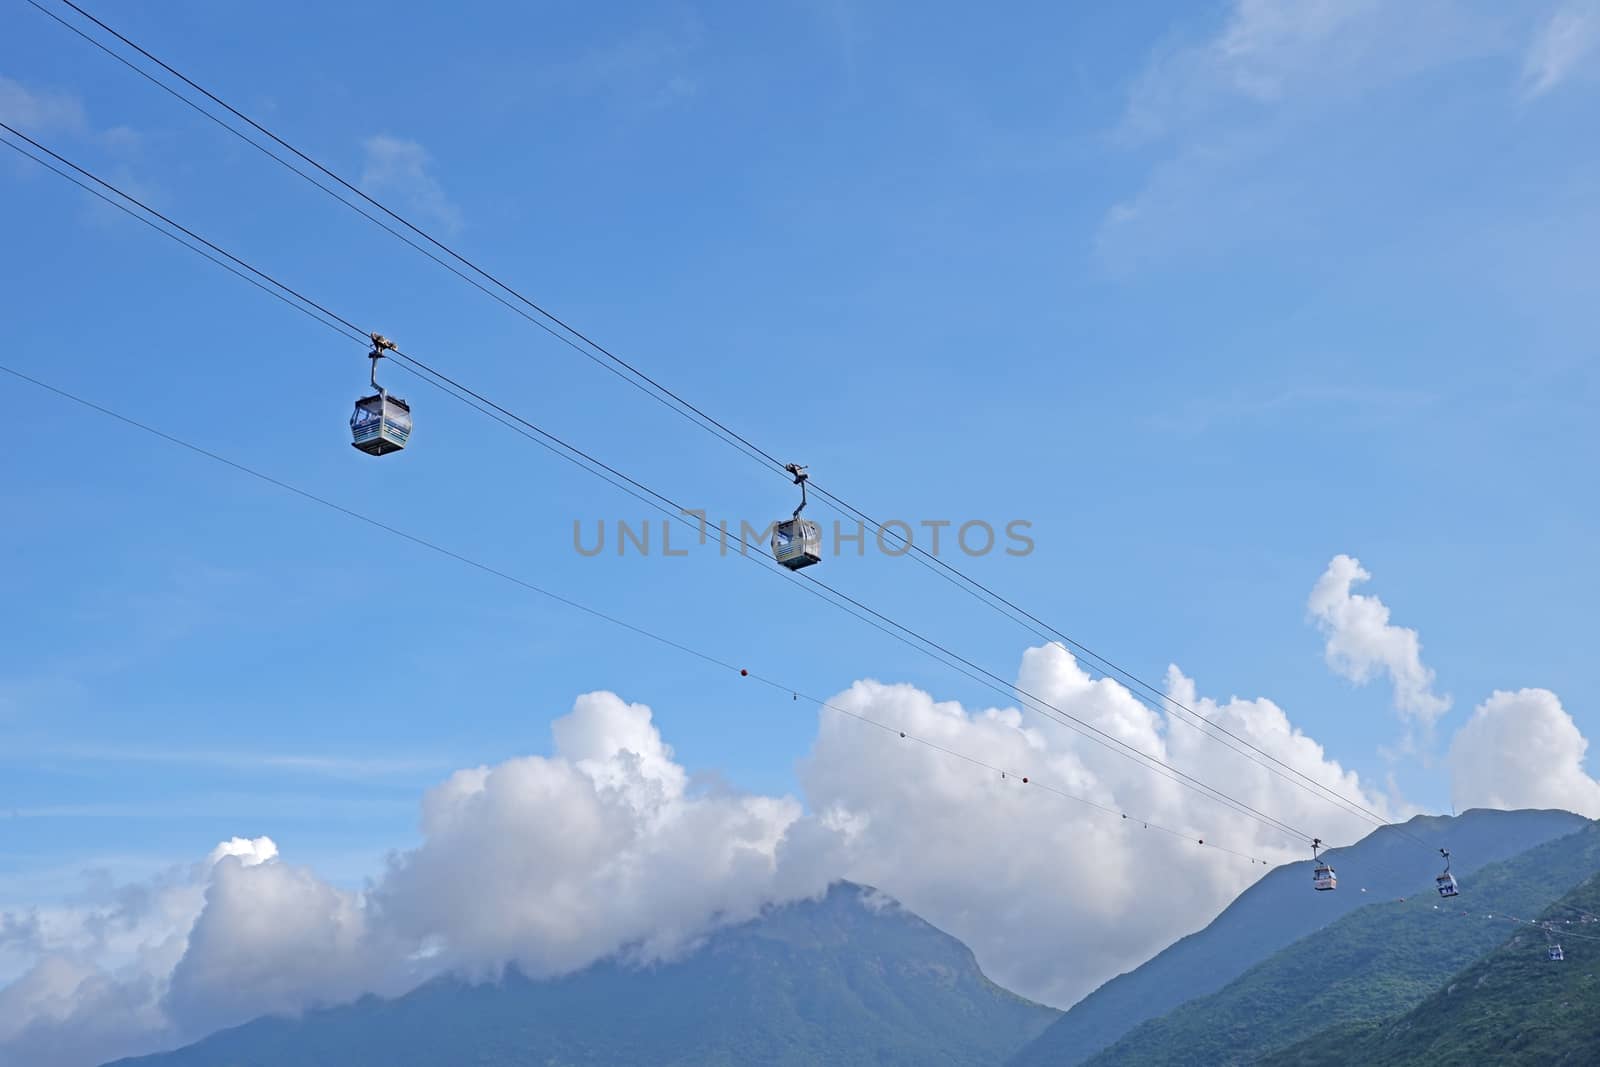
[618, 365]
[938, 651]
[1007, 774]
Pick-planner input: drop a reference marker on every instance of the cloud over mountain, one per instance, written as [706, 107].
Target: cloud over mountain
[976, 818]
[604, 848]
[1522, 750]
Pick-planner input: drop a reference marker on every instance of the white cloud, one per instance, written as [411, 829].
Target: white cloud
[605, 847]
[1265, 51]
[273, 938]
[92, 986]
[1235, 114]
[68, 1012]
[1361, 642]
[557, 861]
[1561, 45]
[1268, 42]
[394, 166]
[250, 851]
[551, 862]
[1271, 57]
[39, 110]
[988, 859]
[1522, 750]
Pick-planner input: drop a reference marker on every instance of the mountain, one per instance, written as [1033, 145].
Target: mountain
[1368, 965]
[850, 979]
[1281, 909]
[1513, 1006]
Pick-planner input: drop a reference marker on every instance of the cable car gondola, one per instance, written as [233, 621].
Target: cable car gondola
[1553, 951]
[1322, 876]
[381, 423]
[1446, 881]
[797, 542]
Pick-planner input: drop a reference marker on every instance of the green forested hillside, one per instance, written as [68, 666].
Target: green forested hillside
[1512, 1006]
[1368, 965]
[847, 980]
[1279, 911]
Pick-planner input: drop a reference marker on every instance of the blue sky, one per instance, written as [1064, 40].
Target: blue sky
[1206, 294]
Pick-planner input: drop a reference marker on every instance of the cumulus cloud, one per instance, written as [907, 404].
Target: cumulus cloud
[555, 862]
[250, 851]
[551, 862]
[70, 1012]
[1522, 750]
[394, 166]
[988, 858]
[606, 848]
[99, 974]
[1361, 642]
[272, 938]
[1560, 47]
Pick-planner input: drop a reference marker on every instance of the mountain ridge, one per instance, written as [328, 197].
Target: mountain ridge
[1278, 910]
[1381, 958]
[1511, 1006]
[849, 978]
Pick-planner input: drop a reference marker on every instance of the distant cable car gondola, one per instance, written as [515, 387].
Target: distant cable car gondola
[381, 423]
[1553, 951]
[1322, 876]
[1446, 881]
[797, 542]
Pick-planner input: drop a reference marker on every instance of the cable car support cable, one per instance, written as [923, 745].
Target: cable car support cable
[683, 406]
[611, 363]
[496, 572]
[940, 652]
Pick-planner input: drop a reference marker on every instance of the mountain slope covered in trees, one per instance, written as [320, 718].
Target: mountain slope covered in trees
[1281, 909]
[1513, 1006]
[1368, 965]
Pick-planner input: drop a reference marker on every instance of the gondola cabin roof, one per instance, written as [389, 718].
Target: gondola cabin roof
[382, 398]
